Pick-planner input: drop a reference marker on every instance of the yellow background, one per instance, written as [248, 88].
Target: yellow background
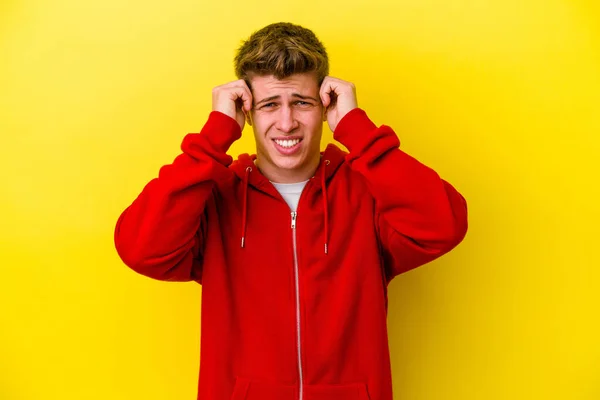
[501, 97]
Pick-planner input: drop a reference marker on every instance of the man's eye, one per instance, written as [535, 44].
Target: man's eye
[303, 103]
[269, 105]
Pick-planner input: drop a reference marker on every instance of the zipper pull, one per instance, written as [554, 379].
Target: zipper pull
[294, 219]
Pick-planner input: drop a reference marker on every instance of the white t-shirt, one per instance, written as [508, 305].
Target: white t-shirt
[290, 192]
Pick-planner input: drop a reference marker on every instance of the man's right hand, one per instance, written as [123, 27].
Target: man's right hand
[233, 99]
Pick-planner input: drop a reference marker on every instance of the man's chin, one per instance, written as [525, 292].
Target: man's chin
[288, 164]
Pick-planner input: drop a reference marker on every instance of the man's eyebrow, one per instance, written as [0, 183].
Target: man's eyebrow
[297, 95]
[267, 99]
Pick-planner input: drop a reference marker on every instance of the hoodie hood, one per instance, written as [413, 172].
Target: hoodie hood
[331, 159]
[246, 170]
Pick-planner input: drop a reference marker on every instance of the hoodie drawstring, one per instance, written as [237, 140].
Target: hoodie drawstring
[325, 206]
[245, 206]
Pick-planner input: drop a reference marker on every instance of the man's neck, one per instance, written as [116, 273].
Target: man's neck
[281, 175]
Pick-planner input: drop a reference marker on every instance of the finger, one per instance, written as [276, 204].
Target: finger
[330, 91]
[242, 98]
[324, 92]
[247, 98]
[243, 93]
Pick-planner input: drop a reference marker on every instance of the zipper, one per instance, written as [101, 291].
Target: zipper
[297, 281]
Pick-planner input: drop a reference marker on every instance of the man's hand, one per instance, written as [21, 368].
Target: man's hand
[233, 99]
[339, 98]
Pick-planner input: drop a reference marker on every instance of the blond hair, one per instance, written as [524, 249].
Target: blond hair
[281, 49]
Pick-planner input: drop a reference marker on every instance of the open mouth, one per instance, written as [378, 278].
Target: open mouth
[287, 146]
[287, 143]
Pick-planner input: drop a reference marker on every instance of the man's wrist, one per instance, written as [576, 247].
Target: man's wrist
[352, 128]
[221, 130]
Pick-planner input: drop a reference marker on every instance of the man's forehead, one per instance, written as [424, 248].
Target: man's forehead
[300, 83]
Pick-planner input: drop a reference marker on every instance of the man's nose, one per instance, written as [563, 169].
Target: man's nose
[286, 121]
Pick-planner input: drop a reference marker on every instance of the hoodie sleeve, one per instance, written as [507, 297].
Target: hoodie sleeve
[419, 216]
[160, 235]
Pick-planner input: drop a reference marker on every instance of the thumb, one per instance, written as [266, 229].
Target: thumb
[325, 99]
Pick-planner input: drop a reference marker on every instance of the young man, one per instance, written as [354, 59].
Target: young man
[294, 248]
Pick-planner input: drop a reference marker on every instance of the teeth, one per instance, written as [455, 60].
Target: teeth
[287, 143]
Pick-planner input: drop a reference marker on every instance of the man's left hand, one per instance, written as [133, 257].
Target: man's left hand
[339, 98]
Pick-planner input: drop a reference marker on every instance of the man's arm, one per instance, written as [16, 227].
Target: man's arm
[419, 215]
[160, 234]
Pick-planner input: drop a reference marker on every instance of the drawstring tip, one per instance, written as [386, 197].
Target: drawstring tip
[242, 246]
[325, 248]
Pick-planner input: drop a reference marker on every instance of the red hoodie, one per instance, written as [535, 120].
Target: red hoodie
[294, 305]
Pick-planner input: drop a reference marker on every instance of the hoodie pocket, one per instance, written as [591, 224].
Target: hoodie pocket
[246, 389]
[355, 391]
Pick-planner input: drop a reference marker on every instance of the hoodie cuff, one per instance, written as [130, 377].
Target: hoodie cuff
[221, 131]
[352, 128]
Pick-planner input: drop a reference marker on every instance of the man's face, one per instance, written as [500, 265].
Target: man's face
[287, 117]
